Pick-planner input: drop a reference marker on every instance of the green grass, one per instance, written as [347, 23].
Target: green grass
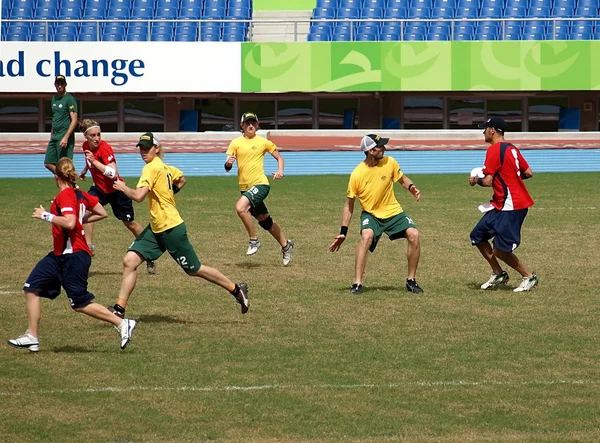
[313, 363]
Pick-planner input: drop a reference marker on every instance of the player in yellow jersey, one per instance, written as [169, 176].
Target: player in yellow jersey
[166, 231]
[372, 181]
[249, 151]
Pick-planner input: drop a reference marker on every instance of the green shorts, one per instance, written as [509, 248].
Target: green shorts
[54, 152]
[151, 245]
[257, 194]
[395, 227]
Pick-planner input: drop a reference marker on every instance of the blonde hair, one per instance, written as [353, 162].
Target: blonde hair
[87, 124]
[65, 170]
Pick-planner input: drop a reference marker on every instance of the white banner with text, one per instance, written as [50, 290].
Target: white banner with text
[121, 66]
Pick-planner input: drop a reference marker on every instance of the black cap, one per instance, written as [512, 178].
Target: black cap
[495, 122]
[248, 116]
[60, 79]
[371, 141]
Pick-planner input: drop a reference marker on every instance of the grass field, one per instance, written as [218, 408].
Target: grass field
[310, 362]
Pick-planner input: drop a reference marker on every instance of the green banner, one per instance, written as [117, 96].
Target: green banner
[421, 66]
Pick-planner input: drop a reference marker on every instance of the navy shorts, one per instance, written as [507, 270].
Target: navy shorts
[503, 226]
[69, 271]
[121, 205]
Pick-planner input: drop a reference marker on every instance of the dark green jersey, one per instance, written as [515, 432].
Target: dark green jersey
[61, 114]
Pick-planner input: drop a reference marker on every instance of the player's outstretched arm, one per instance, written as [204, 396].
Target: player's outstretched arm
[346, 217]
[137, 195]
[280, 165]
[408, 184]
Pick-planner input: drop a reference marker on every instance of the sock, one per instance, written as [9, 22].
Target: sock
[121, 325]
[235, 291]
[31, 336]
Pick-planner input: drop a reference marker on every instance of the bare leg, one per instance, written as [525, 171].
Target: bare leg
[98, 311]
[34, 312]
[50, 167]
[242, 208]
[513, 261]
[89, 233]
[214, 276]
[413, 251]
[275, 231]
[130, 264]
[360, 260]
[134, 227]
[486, 250]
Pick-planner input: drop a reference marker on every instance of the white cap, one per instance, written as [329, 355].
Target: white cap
[371, 141]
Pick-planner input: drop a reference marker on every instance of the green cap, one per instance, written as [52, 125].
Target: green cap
[148, 140]
[249, 116]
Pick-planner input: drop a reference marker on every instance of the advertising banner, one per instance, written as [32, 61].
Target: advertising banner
[121, 66]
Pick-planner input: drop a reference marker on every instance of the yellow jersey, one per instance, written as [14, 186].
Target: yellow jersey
[374, 187]
[250, 156]
[158, 178]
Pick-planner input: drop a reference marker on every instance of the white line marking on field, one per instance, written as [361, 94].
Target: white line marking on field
[426, 384]
[10, 292]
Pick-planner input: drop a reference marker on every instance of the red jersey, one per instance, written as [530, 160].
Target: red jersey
[76, 202]
[105, 155]
[505, 163]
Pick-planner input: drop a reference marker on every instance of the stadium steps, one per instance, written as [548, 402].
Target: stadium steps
[280, 32]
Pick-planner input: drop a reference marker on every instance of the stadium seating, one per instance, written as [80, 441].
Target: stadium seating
[59, 20]
[416, 20]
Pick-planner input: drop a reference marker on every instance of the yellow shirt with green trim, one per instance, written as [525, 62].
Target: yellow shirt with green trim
[250, 155]
[158, 178]
[374, 187]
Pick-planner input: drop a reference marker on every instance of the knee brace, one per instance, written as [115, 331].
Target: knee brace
[267, 223]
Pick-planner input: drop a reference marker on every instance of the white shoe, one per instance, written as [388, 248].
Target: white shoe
[496, 280]
[527, 283]
[151, 267]
[253, 246]
[126, 330]
[287, 252]
[26, 341]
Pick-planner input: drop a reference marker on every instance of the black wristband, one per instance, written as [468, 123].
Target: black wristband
[176, 188]
[344, 231]
[480, 181]
[412, 185]
[228, 167]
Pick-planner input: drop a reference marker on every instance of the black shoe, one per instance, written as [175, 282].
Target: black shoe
[117, 310]
[242, 297]
[356, 289]
[413, 286]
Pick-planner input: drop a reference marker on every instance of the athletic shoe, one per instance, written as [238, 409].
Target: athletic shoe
[253, 246]
[151, 267]
[126, 330]
[413, 286]
[26, 341]
[496, 280]
[356, 289]
[242, 297]
[287, 251]
[119, 313]
[527, 283]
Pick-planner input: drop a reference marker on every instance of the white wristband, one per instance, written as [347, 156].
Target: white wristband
[46, 216]
[110, 172]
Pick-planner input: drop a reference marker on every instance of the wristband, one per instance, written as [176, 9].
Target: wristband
[228, 167]
[176, 188]
[344, 231]
[412, 185]
[46, 216]
[110, 172]
[480, 181]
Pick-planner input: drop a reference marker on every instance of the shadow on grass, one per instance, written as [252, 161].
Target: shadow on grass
[156, 318]
[95, 273]
[365, 289]
[501, 288]
[247, 265]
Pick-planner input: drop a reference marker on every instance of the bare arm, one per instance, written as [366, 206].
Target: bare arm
[346, 217]
[485, 181]
[180, 183]
[527, 173]
[73, 125]
[280, 165]
[137, 195]
[64, 221]
[89, 156]
[229, 162]
[408, 184]
[95, 214]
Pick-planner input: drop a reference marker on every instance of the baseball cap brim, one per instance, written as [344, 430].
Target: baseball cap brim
[382, 142]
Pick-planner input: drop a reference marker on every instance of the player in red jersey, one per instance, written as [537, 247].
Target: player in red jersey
[69, 262]
[102, 164]
[504, 170]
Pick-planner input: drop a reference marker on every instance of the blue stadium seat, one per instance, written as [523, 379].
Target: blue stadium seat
[168, 13]
[320, 3]
[243, 27]
[67, 28]
[515, 12]
[190, 13]
[239, 12]
[551, 35]
[535, 27]
[411, 37]
[563, 11]
[45, 29]
[487, 27]
[70, 13]
[113, 37]
[596, 34]
[391, 28]
[443, 12]
[21, 13]
[18, 28]
[16, 37]
[142, 13]
[161, 37]
[468, 4]
[466, 12]
[416, 28]
[211, 28]
[371, 13]
[241, 3]
[143, 4]
[590, 3]
[428, 4]
[439, 28]
[210, 4]
[517, 3]
[485, 36]
[168, 4]
[559, 26]
[586, 11]
[464, 27]
[438, 36]
[396, 4]
[210, 38]
[582, 26]
[395, 12]
[93, 13]
[17, 4]
[118, 13]
[102, 4]
[492, 3]
[347, 13]
[419, 12]
[463, 36]
[344, 28]
[368, 28]
[64, 37]
[136, 37]
[5, 11]
[511, 37]
[233, 37]
[389, 37]
[45, 13]
[163, 28]
[186, 37]
[564, 3]
[366, 37]
[539, 11]
[186, 28]
[114, 28]
[88, 37]
[214, 13]
[321, 28]
[491, 12]
[533, 36]
[341, 38]
[52, 4]
[39, 37]
[444, 4]
[91, 28]
[374, 4]
[350, 4]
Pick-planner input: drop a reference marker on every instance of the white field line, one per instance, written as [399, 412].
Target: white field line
[11, 292]
[316, 387]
